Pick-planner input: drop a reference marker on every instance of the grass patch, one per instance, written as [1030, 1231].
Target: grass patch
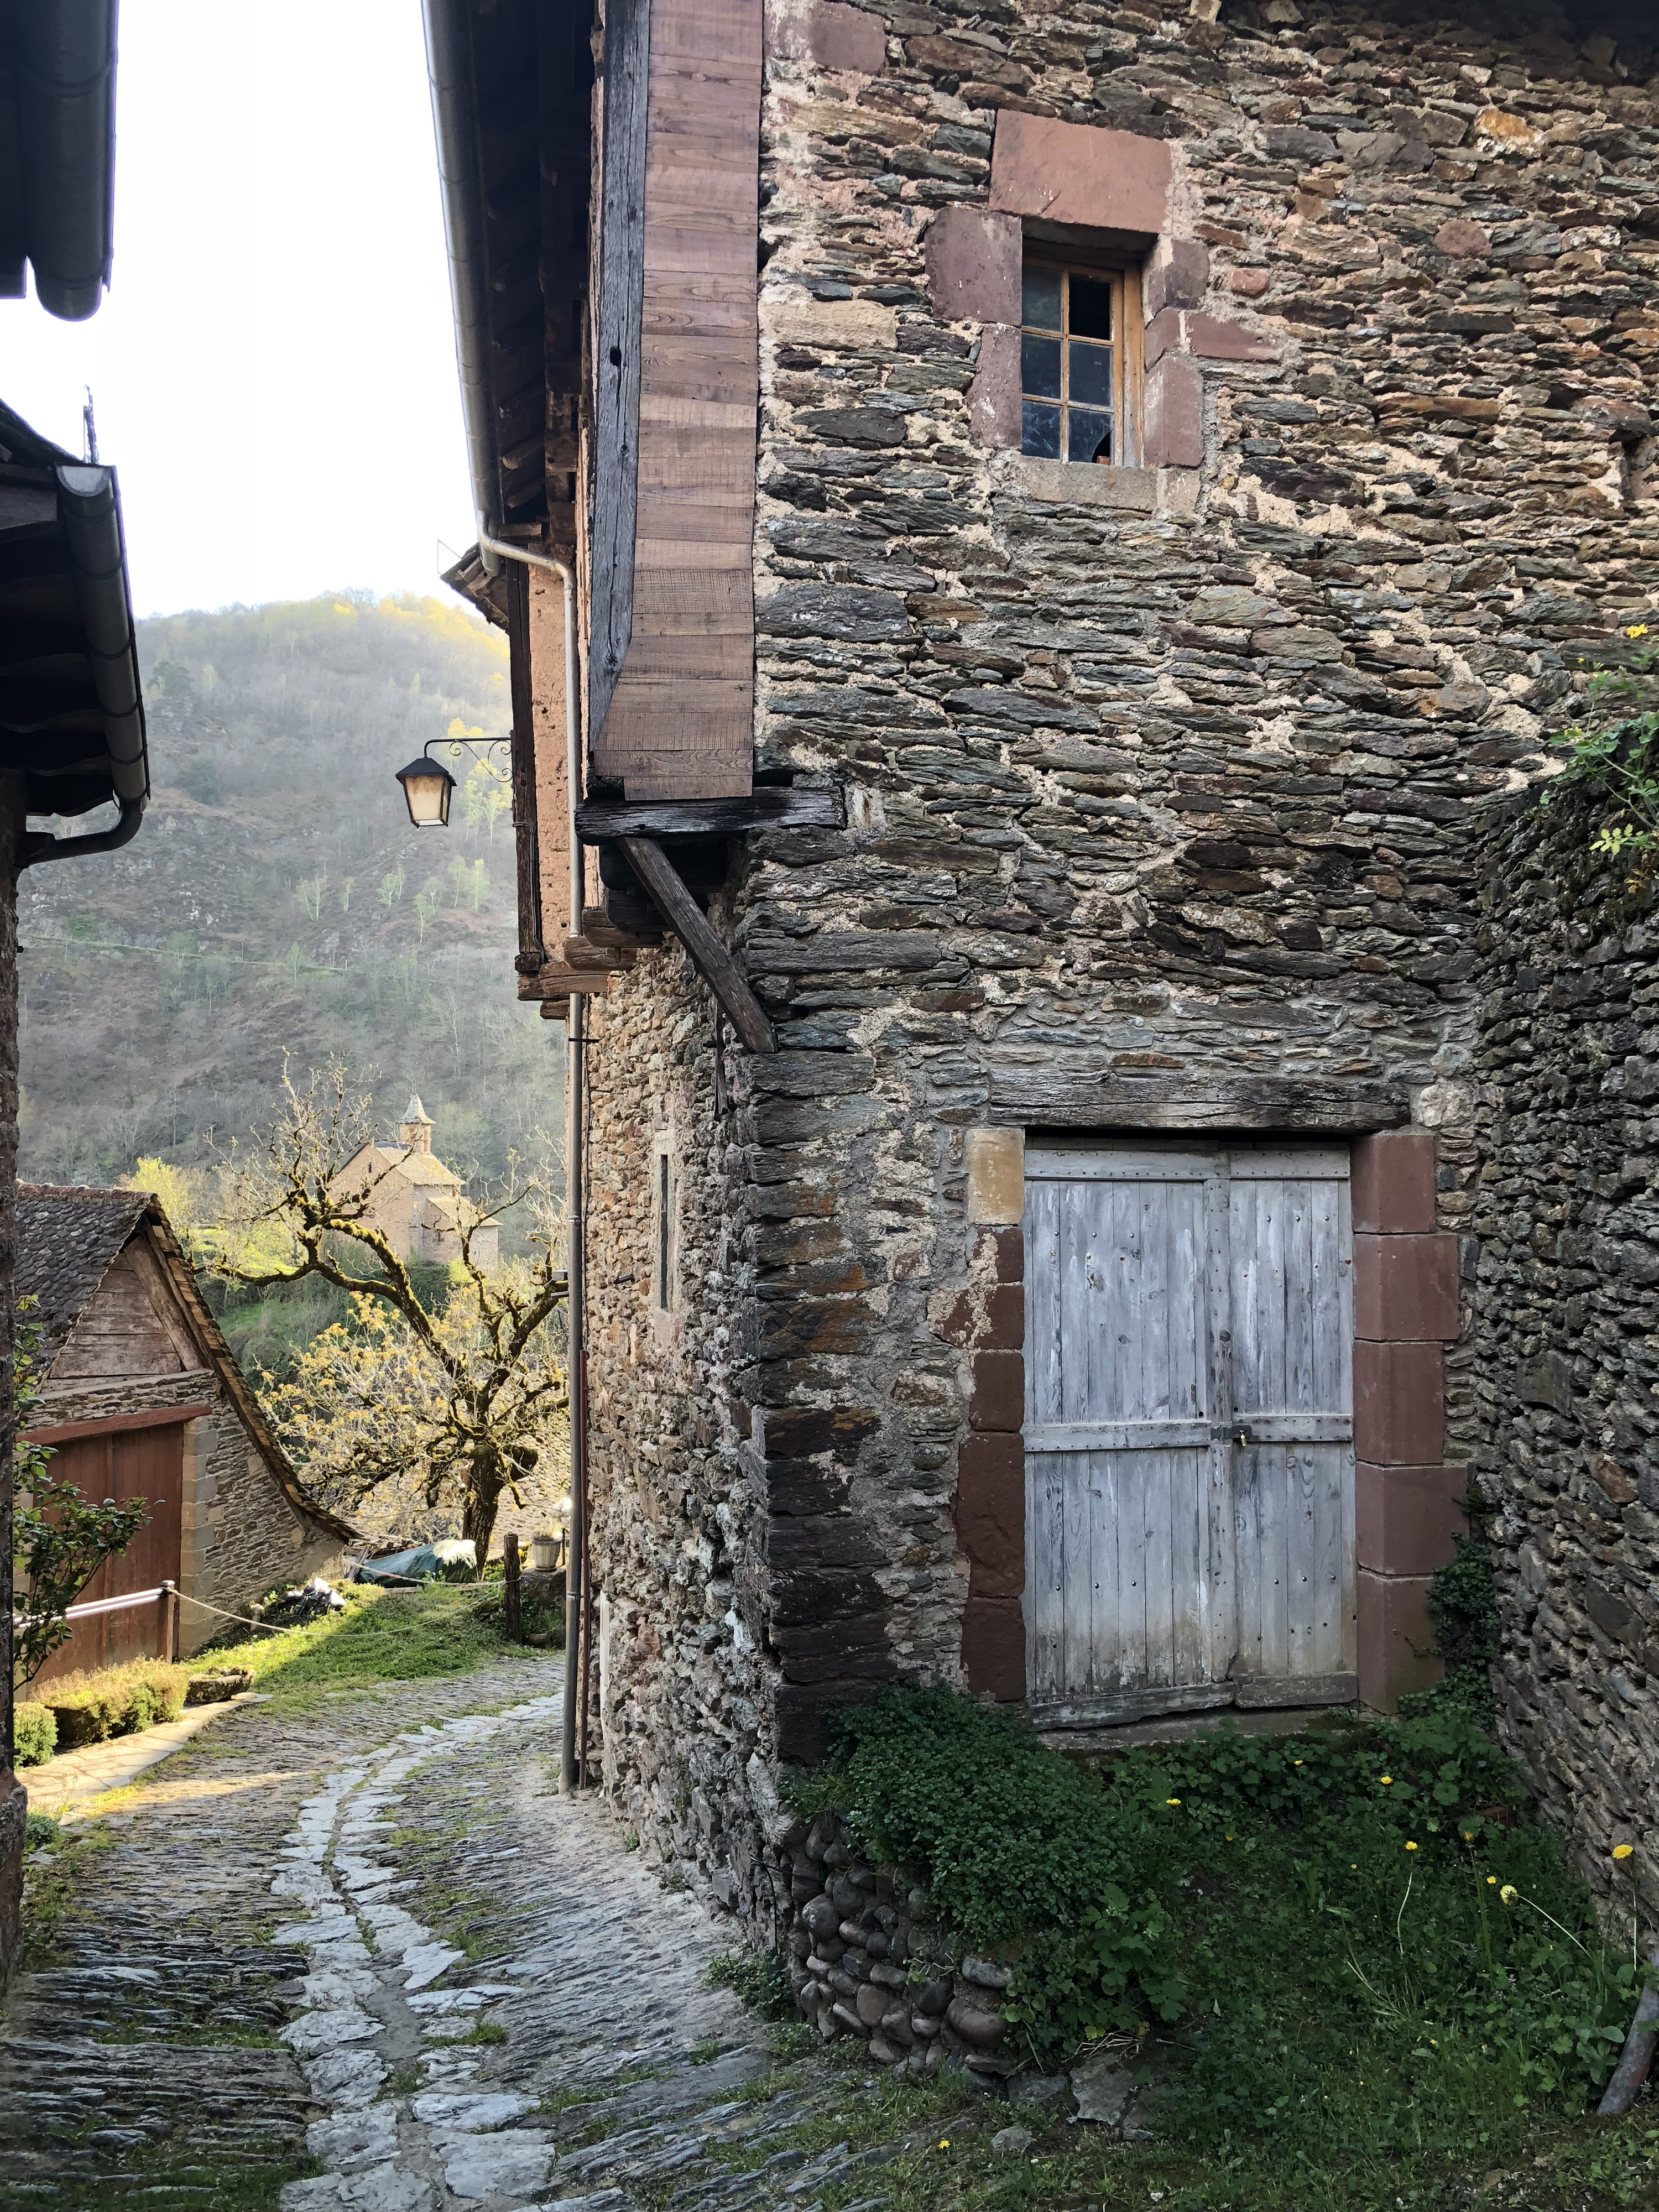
[50, 1890]
[1348, 1953]
[170, 2178]
[759, 1978]
[383, 1636]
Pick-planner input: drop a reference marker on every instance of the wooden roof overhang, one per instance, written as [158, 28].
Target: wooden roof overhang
[633, 410]
[71, 709]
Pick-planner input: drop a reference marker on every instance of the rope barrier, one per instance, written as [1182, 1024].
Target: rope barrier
[270, 1627]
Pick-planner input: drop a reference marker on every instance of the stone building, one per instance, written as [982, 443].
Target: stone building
[138, 1395]
[414, 1200]
[1078, 515]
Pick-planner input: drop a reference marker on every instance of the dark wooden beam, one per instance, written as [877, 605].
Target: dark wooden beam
[617, 348]
[598, 821]
[669, 894]
[532, 953]
[1068, 1098]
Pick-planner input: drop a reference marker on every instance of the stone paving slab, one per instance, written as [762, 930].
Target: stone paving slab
[368, 1958]
[74, 1777]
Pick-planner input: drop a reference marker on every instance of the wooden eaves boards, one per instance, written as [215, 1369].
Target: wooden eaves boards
[679, 722]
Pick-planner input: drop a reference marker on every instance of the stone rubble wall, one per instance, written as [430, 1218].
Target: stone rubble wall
[1152, 777]
[678, 1690]
[1569, 1259]
[866, 1959]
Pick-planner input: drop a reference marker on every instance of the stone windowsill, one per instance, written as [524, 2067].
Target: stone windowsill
[1086, 483]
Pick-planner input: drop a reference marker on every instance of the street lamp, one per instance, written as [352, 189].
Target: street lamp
[427, 784]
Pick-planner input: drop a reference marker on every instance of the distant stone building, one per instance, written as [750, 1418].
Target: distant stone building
[140, 1396]
[416, 1201]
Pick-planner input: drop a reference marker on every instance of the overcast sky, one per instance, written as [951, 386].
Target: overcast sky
[274, 366]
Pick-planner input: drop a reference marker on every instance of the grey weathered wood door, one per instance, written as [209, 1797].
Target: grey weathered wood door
[1189, 1432]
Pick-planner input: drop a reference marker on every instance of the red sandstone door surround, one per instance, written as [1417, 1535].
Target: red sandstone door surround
[1381, 1531]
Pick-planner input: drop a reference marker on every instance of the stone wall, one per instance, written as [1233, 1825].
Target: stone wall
[678, 1687]
[1569, 1260]
[1156, 778]
[868, 1959]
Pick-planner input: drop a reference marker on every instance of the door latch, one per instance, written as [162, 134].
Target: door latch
[1231, 1432]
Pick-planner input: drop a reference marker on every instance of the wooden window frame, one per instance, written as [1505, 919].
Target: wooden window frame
[1129, 349]
[665, 1227]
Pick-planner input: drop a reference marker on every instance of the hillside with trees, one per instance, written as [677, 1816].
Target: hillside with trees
[277, 903]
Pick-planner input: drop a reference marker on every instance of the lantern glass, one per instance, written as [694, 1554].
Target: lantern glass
[427, 785]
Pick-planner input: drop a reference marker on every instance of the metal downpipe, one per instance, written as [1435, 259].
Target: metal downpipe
[576, 1593]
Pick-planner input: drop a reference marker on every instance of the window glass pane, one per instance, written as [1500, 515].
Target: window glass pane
[1091, 307]
[1039, 367]
[1088, 435]
[1041, 306]
[1040, 430]
[1091, 376]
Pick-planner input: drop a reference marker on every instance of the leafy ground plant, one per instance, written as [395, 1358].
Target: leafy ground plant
[1614, 752]
[1352, 1945]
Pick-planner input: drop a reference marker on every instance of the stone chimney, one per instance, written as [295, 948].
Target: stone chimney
[414, 1130]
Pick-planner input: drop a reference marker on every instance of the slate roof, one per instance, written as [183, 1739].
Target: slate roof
[67, 1239]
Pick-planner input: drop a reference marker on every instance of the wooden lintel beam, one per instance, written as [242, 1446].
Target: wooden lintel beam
[662, 880]
[600, 821]
[1075, 1099]
[556, 980]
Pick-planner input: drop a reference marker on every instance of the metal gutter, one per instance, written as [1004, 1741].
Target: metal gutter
[449, 72]
[63, 75]
[89, 510]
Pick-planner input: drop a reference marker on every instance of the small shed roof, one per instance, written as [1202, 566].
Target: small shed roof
[68, 1239]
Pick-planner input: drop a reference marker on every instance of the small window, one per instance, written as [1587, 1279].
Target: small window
[1074, 377]
[664, 1224]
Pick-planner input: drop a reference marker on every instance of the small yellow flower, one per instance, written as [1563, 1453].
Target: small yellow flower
[1385, 1779]
[1227, 1839]
[1172, 1801]
[1623, 1851]
[1411, 1847]
[1637, 629]
[1296, 1762]
[944, 2142]
[1509, 1892]
[1491, 1882]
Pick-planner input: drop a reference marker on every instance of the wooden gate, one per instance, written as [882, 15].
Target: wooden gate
[1188, 1429]
[147, 1463]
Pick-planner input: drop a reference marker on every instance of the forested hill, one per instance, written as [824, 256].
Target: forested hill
[277, 900]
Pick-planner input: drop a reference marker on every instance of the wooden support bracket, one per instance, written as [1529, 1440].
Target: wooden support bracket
[662, 880]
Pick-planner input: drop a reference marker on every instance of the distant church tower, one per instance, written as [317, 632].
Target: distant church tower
[414, 1130]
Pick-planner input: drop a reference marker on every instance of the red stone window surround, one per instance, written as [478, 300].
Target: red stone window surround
[1406, 1499]
[1057, 188]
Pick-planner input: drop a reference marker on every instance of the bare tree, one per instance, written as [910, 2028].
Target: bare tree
[480, 1386]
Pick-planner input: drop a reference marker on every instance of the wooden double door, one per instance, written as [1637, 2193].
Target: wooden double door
[1188, 1429]
[147, 1463]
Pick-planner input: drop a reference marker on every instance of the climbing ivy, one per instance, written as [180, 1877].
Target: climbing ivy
[1614, 753]
[1462, 1602]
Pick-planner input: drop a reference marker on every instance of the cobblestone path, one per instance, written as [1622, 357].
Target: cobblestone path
[371, 1959]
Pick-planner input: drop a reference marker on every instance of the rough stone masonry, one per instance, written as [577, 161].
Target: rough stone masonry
[1155, 776]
